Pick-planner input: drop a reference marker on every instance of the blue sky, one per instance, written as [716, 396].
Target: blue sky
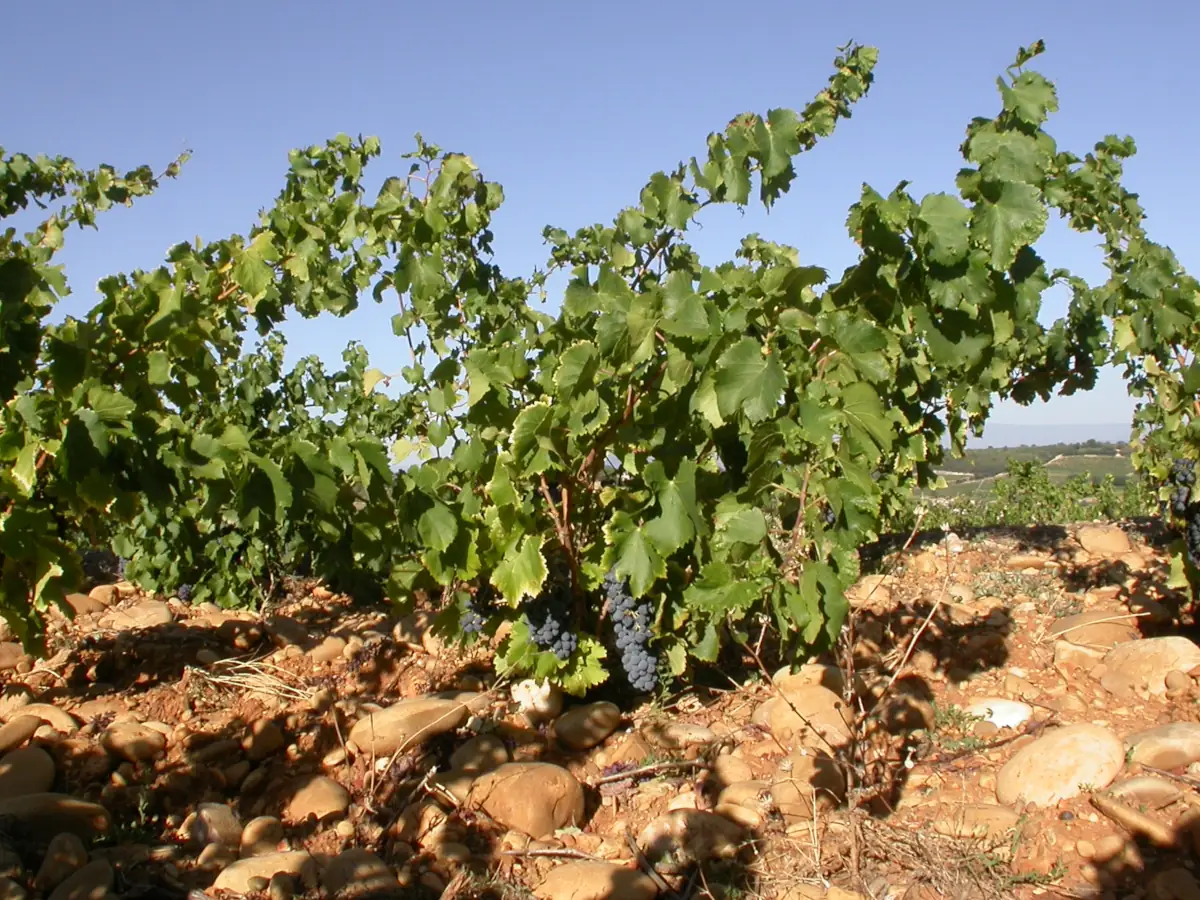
[571, 107]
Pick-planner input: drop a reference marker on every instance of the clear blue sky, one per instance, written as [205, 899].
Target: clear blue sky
[571, 106]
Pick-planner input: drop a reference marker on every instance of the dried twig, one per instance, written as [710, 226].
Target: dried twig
[249, 675]
[1182, 779]
[645, 865]
[564, 853]
[651, 769]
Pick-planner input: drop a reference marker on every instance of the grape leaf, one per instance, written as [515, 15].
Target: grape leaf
[521, 574]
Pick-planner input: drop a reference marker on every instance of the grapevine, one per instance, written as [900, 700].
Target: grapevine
[701, 441]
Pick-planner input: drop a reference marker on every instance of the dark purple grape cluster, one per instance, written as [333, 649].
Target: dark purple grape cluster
[828, 516]
[476, 609]
[471, 622]
[101, 566]
[631, 626]
[1182, 479]
[1191, 536]
[547, 616]
[184, 592]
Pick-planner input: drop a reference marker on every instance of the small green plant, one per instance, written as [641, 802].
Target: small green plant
[1056, 874]
[952, 729]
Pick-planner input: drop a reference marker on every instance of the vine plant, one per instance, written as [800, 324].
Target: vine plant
[715, 441]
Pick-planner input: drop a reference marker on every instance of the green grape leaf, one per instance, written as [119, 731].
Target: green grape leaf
[521, 574]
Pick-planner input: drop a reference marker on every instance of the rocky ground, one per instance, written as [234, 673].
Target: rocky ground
[1017, 717]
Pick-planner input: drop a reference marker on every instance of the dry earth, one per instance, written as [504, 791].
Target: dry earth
[1017, 718]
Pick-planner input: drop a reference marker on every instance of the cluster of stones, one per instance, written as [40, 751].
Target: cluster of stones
[781, 769]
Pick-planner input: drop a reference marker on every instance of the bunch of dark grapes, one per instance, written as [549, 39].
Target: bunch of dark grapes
[1181, 479]
[100, 566]
[1191, 535]
[631, 624]
[122, 562]
[828, 516]
[547, 616]
[471, 621]
[184, 592]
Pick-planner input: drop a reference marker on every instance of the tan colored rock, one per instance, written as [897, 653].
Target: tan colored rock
[42, 816]
[677, 735]
[687, 837]
[91, 882]
[1176, 883]
[755, 795]
[213, 823]
[1068, 656]
[1144, 664]
[976, 820]
[1061, 764]
[583, 727]
[587, 880]
[18, 731]
[1018, 561]
[133, 742]
[104, 594]
[1103, 628]
[871, 590]
[329, 650]
[1147, 791]
[58, 719]
[1151, 610]
[13, 697]
[264, 739]
[830, 677]
[481, 753]
[1104, 540]
[476, 702]
[261, 836]
[297, 863]
[317, 796]
[83, 605]
[534, 798]
[806, 778]
[356, 872]
[1177, 681]
[1166, 746]
[285, 631]
[147, 614]
[65, 856]
[456, 784]
[804, 892]
[406, 724]
[728, 769]
[807, 716]
[29, 770]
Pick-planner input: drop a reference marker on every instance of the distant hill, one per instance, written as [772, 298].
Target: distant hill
[980, 466]
[1000, 434]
